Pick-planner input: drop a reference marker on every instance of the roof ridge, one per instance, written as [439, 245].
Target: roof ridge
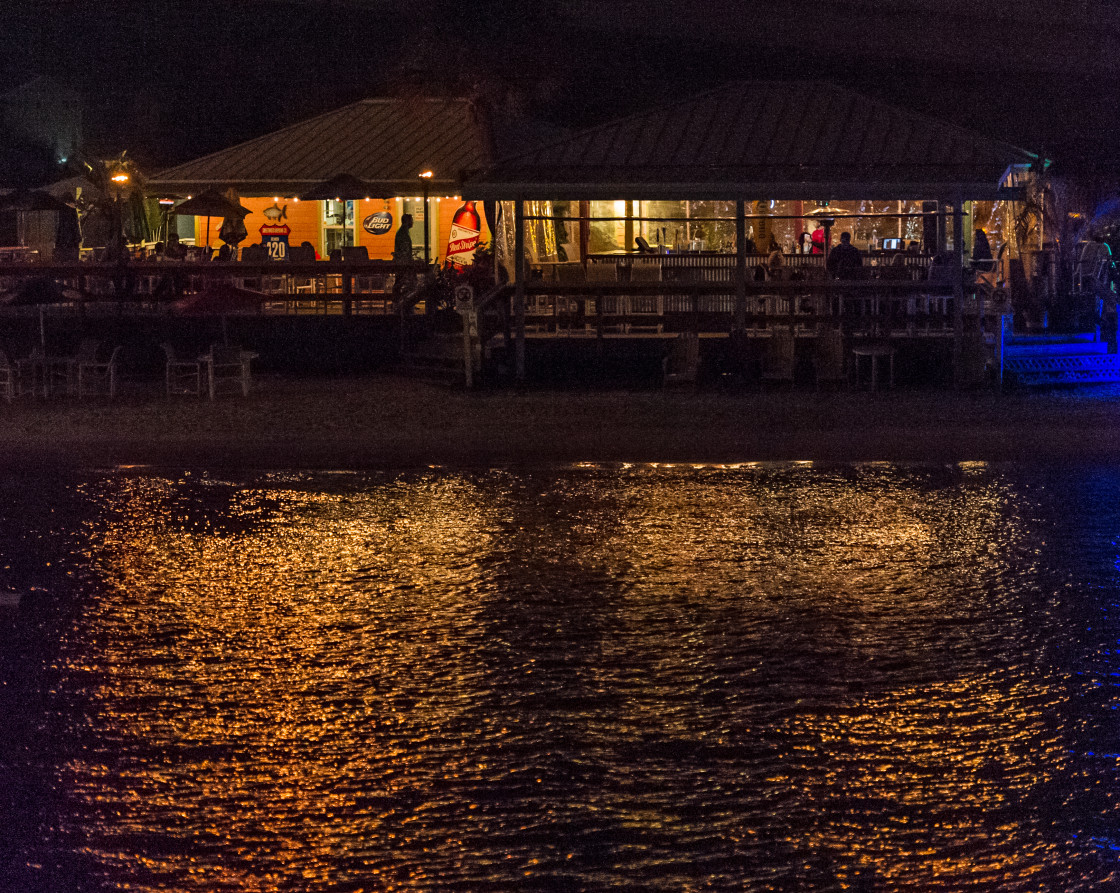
[614, 122]
[926, 118]
[273, 134]
[761, 85]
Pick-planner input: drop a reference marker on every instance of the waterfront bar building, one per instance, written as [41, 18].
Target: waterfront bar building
[752, 164]
[385, 143]
[788, 152]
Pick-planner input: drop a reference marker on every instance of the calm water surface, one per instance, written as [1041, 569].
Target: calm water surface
[764, 677]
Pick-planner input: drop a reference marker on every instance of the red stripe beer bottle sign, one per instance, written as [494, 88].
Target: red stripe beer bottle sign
[466, 226]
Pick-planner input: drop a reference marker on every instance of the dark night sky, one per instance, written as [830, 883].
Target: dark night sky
[170, 80]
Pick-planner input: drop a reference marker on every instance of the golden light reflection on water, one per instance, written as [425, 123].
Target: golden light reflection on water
[609, 672]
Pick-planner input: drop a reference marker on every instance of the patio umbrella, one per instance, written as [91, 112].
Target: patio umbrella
[220, 297]
[343, 187]
[38, 201]
[68, 236]
[233, 232]
[211, 203]
[32, 200]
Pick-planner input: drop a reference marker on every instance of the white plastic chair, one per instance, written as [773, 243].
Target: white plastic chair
[98, 379]
[8, 377]
[228, 370]
[183, 376]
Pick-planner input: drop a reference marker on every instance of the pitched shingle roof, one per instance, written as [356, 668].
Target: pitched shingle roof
[386, 142]
[759, 139]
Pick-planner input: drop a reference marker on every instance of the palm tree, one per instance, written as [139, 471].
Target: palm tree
[117, 202]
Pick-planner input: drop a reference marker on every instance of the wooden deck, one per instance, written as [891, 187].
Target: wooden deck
[687, 294]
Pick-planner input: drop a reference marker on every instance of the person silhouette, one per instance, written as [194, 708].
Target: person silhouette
[402, 254]
[402, 245]
[844, 258]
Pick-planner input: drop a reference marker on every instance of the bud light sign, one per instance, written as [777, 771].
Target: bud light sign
[378, 223]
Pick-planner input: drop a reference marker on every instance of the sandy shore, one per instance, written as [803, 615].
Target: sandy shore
[386, 422]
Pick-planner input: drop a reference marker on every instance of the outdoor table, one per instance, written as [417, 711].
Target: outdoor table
[874, 353]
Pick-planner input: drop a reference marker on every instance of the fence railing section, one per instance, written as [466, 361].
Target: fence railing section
[719, 267]
[611, 307]
[647, 295]
[295, 288]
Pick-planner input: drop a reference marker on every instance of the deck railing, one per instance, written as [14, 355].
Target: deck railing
[916, 308]
[702, 298]
[721, 267]
[294, 288]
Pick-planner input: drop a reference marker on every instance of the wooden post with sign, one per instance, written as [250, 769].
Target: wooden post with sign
[472, 348]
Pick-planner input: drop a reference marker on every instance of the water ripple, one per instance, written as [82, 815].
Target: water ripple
[759, 677]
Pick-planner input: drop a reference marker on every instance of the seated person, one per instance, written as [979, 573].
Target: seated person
[175, 250]
[942, 269]
[844, 259]
[896, 270]
[776, 269]
[982, 260]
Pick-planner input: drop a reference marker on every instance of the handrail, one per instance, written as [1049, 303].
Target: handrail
[238, 269]
[822, 286]
[408, 301]
[498, 291]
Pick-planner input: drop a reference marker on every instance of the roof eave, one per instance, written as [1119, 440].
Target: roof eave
[778, 190]
[287, 188]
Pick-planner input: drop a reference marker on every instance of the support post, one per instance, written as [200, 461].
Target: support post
[519, 290]
[958, 288]
[347, 292]
[740, 322]
[584, 231]
[1001, 335]
[427, 226]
